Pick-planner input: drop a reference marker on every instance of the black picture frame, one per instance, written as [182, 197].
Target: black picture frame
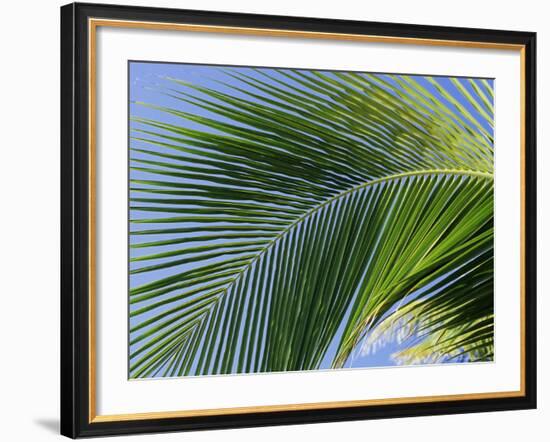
[75, 219]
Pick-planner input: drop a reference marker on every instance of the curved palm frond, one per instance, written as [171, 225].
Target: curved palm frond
[286, 212]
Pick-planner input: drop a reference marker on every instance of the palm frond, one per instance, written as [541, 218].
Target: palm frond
[284, 212]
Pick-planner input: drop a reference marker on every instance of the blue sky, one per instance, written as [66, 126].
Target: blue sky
[148, 83]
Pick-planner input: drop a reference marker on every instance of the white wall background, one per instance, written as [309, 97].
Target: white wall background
[29, 220]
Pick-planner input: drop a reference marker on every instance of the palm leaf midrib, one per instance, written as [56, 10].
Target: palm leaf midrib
[310, 212]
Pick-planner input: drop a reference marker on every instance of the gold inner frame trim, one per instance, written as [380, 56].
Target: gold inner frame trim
[93, 24]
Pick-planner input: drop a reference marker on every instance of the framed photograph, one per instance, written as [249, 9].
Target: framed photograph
[275, 220]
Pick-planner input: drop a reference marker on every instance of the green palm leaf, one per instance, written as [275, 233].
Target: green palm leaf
[286, 212]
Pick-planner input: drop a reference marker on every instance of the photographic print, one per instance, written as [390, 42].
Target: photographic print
[271, 220]
[288, 219]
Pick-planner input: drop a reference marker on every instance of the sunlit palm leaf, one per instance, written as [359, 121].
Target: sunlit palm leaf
[298, 209]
